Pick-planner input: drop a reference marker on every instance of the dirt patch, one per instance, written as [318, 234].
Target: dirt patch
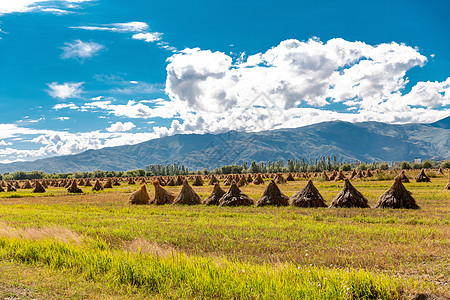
[55, 233]
[145, 246]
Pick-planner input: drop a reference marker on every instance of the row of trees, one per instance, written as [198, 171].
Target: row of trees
[303, 165]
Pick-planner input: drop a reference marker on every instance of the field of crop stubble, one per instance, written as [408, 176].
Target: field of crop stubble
[94, 245]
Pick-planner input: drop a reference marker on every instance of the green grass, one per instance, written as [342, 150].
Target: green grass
[378, 250]
[180, 276]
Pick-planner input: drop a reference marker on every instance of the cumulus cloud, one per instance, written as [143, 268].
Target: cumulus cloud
[299, 83]
[65, 105]
[148, 36]
[65, 90]
[3, 143]
[121, 127]
[52, 6]
[80, 50]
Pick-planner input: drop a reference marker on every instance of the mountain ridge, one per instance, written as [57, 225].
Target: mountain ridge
[365, 141]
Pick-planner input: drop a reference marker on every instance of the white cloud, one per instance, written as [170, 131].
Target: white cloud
[129, 27]
[52, 6]
[3, 143]
[121, 127]
[300, 83]
[65, 105]
[148, 36]
[65, 90]
[80, 50]
[135, 110]
[63, 118]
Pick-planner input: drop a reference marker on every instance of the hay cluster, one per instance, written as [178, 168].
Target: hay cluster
[273, 196]
[397, 197]
[308, 196]
[235, 197]
[349, 197]
[187, 195]
[215, 196]
[139, 197]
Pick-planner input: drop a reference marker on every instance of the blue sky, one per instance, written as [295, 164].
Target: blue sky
[85, 74]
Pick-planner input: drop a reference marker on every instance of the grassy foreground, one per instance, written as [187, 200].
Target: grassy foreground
[218, 252]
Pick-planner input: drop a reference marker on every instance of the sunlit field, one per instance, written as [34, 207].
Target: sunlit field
[95, 245]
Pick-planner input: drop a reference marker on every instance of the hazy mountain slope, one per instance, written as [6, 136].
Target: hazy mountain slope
[367, 141]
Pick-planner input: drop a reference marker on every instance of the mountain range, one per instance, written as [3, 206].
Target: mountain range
[364, 141]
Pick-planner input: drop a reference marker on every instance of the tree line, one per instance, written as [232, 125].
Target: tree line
[329, 163]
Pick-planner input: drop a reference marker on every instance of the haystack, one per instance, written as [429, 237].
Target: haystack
[258, 179]
[349, 197]
[249, 178]
[280, 179]
[27, 185]
[324, 176]
[422, 177]
[213, 180]
[228, 181]
[171, 182]
[404, 177]
[187, 195]
[179, 180]
[162, 196]
[333, 175]
[116, 182]
[308, 196]
[447, 187]
[234, 197]
[131, 181]
[87, 182]
[1, 188]
[143, 181]
[44, 183]
[369, 173]
[161, 180]
[81, 182]
[289, 177]
[339, 176]
[73, 188]
[215, 196]
[397, 197]
[198, 181]
[16, 185]
[353, 175]
[242, 181]
[97, 186]
[441, 171]
[273, 196]
[108, 184]
[38, 188]
[140, 196]
[10, 188]
[359, 175]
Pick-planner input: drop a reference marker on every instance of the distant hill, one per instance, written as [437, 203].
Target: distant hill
[366, 141]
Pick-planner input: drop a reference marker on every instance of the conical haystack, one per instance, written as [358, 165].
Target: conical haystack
[308, 196]
[27, 185]
[324, 176]
[258, 180]
[447, 187]
[108, 184]
[242, 181]
[333, 175]
[249, 178]
[171, 182]
[228, 181]
[213, 180]
[81, 182]
[359, 175]
[38, 188]
[368, 173]
[73, 188]
[273, 196]
[187, 195]
[140, 196]
[97, 186]
[422, 177]
[353, 175]
[397, 197]
[16, 185]
[1, 189]
[116, 182]
[87, 182]
[162, 196]
[131, 181]
[179, 180]
[349, 197]
[198, 181]
[404, 177]
[215, 196]
[10, 188]
[339, 176]
[234, 197]
[280, 179]
[289, 177]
